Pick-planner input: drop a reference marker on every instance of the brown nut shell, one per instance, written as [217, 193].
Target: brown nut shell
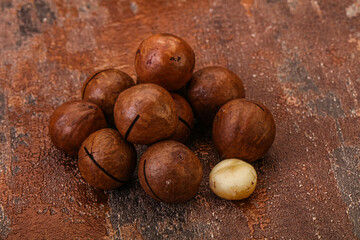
[103, 87]
[106, 160]
[145, 113]
[209, 89]
[166, 60]
[186, 119]
[243, 129]
[170, 172]
[72, 122]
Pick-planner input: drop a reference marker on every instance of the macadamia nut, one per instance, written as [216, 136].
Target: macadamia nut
[186, 119]
[72, 122]
[209, 89]
[103, 87]
[233, 179]
[166, 60]
[170, 172]
[145, 113]
[106, 160]
[243, 129]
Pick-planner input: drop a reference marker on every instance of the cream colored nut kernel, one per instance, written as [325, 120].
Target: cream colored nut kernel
[233, 179]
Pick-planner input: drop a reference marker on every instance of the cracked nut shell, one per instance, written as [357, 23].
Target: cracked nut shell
[209, 89]
[186, 119]
[145, 113]
[166, 60]
[72, 122]
[170, 172]
[106, 160]
[243, 129]
[103, 87]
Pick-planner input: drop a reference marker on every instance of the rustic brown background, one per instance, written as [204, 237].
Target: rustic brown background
[299, 57]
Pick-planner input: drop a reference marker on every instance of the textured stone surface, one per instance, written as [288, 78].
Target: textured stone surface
[299, 57]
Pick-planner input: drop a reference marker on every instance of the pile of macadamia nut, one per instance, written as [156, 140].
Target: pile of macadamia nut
[115, 113]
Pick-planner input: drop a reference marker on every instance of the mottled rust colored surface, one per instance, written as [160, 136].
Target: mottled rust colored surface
[299, 57]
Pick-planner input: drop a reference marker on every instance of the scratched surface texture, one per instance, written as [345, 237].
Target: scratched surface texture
[301, 58]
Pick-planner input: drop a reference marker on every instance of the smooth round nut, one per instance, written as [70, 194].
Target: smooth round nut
[72, 122]
[233, 179]
[166, 60]
[106, 160]
[145, 113]
[103, 87]
[170, 172]
[186, 119]
[209, 89]
[243, 129]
